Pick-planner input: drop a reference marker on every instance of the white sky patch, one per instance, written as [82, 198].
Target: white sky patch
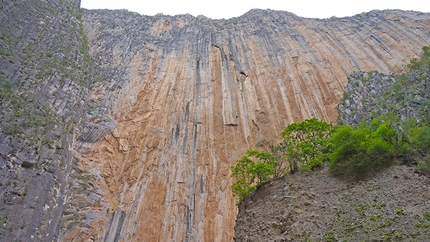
[217, 9]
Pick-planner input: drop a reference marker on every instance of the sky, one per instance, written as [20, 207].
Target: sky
[218, 9]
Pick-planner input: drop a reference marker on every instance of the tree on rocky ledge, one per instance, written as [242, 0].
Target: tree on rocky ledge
[253, 169]
[302, 148]
[305, 143]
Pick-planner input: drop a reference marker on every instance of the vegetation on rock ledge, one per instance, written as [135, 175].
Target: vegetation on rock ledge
[353, 152]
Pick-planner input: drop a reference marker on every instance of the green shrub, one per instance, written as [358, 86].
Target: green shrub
[409, 138]
[306, 143]
[419, 139]
[249, 174]
[423, 62]
[277, 154]
[359, 152]
[243, 185]
[302, 147]
[424, 165]
[14, 129]
[398, 92]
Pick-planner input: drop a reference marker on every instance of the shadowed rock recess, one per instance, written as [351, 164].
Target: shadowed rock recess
[144, 115]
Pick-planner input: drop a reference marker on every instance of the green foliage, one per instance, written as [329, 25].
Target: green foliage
[264, 167]
[14, 129]
[351, 152]
[250, 174]
[345, 96]
[302, 147]
[3, 219]
[74, 217]
[369, 147]
[6, 89]
[361, 151]
[276, 156]
[398, 92]
[306, 142]
[424, 165]
[419, 139]
[423, 62]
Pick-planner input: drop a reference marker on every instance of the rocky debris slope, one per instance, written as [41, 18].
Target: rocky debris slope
[191, 95]
[317, 207]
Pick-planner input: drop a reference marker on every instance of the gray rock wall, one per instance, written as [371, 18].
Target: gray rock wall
[370, 94]
[44, 74]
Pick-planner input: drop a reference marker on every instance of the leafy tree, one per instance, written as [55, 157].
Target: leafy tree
[249, 174]
[305, 143]
[244, 181]
[277, 156]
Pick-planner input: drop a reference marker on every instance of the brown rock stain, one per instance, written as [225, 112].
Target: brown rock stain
[187, 111]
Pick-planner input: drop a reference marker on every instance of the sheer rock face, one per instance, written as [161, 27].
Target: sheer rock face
[190, 95]
[135, 143]
[43, 79]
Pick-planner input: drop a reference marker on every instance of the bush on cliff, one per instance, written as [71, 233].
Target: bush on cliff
[306, 141]
[302, 148]
[352, 152]
[361, 151]
[249, 173]
[423, 62]
[277, 155]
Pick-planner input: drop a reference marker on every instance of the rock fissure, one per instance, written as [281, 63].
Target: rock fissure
[198, 82]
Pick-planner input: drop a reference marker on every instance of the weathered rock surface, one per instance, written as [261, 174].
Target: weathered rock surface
[44, 66]
[370, 94]
[132, 139]
[190, 95]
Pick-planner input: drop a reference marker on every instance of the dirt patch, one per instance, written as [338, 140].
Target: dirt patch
[392, 206]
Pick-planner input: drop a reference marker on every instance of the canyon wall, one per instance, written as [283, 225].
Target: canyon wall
[120, 127]
[191, 95]
[44, 79]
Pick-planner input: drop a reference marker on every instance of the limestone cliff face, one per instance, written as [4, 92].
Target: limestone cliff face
[189, 95]
[129, 136]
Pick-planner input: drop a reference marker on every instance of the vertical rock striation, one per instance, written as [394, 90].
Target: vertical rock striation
[129, 135]
[44, 75]
[190, 95]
